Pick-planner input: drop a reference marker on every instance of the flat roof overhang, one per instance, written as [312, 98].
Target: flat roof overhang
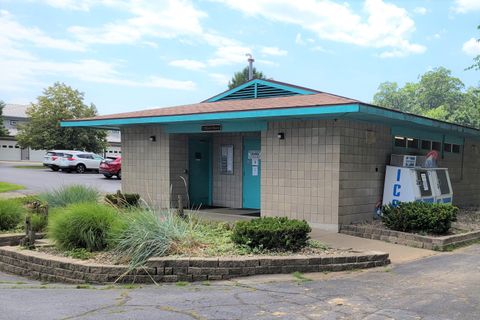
[255, 120]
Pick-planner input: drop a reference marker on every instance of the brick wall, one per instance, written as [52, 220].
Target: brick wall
[300, 174]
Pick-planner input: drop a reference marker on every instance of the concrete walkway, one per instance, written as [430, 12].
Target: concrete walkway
[398, 253]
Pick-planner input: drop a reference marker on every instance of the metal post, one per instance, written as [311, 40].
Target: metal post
[180, 206]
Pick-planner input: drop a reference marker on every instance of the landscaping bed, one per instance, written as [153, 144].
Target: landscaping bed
[120, 238]
[463, 231]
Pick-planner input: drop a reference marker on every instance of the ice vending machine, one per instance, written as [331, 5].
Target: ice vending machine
[408, 184]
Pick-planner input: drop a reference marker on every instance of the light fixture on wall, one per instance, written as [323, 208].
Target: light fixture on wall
[152, 138]
[281, 136]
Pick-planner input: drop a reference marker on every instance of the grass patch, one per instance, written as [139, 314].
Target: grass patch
[79, 253]
[300, 277]
[7, 186]
[30, 167]
[181, 283]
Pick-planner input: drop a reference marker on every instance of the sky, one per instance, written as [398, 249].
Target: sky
[138, 54]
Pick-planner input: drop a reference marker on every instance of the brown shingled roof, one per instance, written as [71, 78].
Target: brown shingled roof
[310, 100]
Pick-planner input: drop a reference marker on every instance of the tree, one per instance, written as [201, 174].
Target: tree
[3, 130]
[476, 60]
[437, 95]
[43, 131]
[242, 76]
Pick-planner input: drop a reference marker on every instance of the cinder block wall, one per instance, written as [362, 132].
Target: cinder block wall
[178, 165]
[300, 174]
[146, 164]
[365, 151]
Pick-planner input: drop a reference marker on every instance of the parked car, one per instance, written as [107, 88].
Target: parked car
[80, 161]
[52, 159]
[111, 166]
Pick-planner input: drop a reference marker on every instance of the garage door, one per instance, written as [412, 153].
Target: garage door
[9, 150]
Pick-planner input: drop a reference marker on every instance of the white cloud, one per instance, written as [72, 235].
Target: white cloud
[383, 25]
[464, 6]
[229, 54]
[321, 49]
[188, 64]
[420, 10]
[13, 31]
[299, 40]
[220, 78]
[471, 47]
[273, 51]
[163, 19]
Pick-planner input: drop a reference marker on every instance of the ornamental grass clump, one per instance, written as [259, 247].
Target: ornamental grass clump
[83, 225]
[424, 217]
[11, 214]
[67, 195]
[272, 233]
[145, 233]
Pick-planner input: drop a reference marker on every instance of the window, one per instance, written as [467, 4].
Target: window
[412, 143]
[447, 147]
[17, 147]
[13, 123]
[400, 142]
[11, 147]
[426, 145]
[226, 159]
[455, 148]
[436, 145]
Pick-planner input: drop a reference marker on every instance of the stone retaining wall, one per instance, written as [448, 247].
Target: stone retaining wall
[13, 239]
[409, 239]
[51, 268]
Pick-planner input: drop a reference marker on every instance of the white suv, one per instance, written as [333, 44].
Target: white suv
[80, 161]
[52, 159]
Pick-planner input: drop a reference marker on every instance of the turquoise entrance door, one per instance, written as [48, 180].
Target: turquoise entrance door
[251, 173]
[199, 168]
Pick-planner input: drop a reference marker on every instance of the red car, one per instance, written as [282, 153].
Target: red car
[111, 167]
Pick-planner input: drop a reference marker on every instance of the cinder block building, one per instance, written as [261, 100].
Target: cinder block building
[285, 150]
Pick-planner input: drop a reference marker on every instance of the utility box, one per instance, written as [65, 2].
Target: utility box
[408, 184]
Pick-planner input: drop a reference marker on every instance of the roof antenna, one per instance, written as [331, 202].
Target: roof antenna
[250, 66]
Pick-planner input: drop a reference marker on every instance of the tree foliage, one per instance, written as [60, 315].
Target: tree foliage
[437, 95]
[3, 130]
[43, 131]
[242, 76]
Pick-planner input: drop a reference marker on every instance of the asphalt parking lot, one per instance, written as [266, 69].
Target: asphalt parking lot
[41, 180]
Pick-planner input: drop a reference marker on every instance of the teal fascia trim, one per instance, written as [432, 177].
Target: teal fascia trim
[237, 126]
[419, 121]
[263, 82]
[218, 116]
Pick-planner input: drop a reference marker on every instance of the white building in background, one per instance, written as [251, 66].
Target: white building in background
[14, 115]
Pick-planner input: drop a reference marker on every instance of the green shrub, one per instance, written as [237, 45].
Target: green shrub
[11, 214]
[38, 222]
[123, 199]
[79, 253]
[272, 233]
[67, 195]
[145, 233]
[83, 225]
[419, 217]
